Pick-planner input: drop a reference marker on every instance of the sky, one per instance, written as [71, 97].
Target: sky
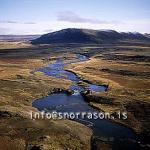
[43, 16]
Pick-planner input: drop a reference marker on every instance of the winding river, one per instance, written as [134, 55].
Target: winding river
[103, 129]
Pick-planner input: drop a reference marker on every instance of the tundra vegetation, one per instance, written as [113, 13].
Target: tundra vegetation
[124, 67]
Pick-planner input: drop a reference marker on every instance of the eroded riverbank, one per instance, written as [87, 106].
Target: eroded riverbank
[18, 88]
[104, 130]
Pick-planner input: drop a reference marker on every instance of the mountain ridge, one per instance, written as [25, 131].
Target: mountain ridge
[75, 35]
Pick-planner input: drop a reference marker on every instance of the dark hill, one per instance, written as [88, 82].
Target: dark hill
[72, 35]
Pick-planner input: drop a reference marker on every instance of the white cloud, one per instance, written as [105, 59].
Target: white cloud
[16, 22]
[49, 26]
[69, 16]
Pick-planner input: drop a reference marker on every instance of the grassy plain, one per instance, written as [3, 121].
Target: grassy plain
[19, 86]
[125, 68]
[126, 71]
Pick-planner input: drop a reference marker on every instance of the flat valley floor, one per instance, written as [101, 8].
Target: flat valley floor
[124, 67]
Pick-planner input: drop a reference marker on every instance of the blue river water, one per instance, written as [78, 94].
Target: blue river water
[62, 102]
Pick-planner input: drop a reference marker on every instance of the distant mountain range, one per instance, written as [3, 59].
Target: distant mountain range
[73, 35]
[147, 35]
[18, 37]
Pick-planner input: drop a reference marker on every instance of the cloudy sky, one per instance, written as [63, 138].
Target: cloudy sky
[42, 16]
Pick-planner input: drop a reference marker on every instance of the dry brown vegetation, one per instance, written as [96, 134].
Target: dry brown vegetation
[11, 45]
[119, 66]
[127, 74]
[18, 88]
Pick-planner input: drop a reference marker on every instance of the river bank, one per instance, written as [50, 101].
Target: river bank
[19, 87]
[62, 102]
[126, 92]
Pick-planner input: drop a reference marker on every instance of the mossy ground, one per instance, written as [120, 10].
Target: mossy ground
[113, 65]
[126, 72]
[19, 86]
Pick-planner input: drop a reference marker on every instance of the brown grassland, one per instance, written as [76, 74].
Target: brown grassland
[18, 88]
[124, 68]
[126, 71]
